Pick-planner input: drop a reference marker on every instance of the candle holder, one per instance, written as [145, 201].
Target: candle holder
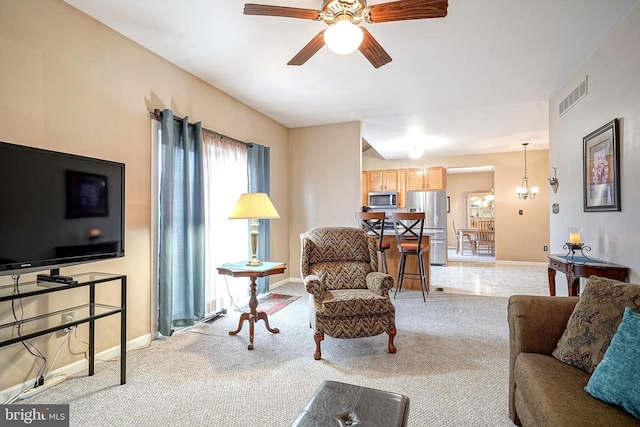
[573, 247]
[574, 243]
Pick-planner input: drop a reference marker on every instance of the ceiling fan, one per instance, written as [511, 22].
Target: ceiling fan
[348, 15]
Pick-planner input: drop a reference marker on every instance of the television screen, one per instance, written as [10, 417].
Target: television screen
[58, 209]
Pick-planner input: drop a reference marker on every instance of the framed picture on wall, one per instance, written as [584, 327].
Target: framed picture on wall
[601, 169]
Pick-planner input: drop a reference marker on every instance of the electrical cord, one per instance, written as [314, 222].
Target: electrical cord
[40, 375]
[229, 293]
[55, 356]
[86, 351]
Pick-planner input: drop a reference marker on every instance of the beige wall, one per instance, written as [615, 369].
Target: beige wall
[70, 84]
[518, 237]
[325, 180]
[613, 72]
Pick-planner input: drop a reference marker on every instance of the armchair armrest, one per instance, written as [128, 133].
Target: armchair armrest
[380, 283]
[314, 286]
[536, 323]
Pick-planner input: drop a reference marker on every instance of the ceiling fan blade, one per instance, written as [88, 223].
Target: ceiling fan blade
[403, 10]
[372, 50]
[309, 50]
[287, 12]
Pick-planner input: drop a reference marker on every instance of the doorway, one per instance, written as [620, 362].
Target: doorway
[472, 200]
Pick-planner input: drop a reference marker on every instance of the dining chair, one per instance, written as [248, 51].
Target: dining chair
[409, 228]
[373, 224]
[485, 238]
[465, 243]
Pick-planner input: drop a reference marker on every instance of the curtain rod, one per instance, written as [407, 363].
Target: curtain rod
[157, 114]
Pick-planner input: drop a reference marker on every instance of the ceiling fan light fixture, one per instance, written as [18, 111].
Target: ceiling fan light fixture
[343, 37]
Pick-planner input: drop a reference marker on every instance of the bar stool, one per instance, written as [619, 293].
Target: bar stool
[373, 223]
[408, 228]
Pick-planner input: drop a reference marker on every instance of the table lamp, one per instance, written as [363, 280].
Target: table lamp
[254, 206]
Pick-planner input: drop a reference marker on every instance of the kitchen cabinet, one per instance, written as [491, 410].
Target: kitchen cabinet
[433, 178]
[364, 188]
[383, 180]
[375, 181]
[436, 178]
[415, 180]
[402, 190]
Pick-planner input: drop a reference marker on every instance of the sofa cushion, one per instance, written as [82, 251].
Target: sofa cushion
[594, 321]
[551, 393]
[616, 379]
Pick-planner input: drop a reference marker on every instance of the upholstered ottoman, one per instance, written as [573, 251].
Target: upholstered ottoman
[340, 404]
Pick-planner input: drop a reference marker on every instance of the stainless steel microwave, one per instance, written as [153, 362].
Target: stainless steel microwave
[383, 199]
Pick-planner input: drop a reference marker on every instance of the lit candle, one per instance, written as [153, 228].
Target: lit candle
[574, 238]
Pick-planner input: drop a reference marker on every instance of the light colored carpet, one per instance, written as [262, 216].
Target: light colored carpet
[452, 362]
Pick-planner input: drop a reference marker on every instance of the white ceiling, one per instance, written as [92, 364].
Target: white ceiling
[476, 81]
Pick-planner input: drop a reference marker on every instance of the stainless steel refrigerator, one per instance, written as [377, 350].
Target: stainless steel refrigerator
[434, 204]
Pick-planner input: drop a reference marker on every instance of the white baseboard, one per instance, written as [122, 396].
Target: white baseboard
[534, 263]
[273, 286]
[78, 366]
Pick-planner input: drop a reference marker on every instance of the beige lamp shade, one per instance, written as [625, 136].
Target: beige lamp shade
[254, 206]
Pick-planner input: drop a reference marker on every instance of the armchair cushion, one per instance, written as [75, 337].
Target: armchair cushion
[342, 274]
[354, 302]
[594, 321]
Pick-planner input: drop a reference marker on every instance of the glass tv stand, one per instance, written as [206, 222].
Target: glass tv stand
[46, 323]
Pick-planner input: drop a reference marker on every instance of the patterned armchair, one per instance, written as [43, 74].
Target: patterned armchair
[348, 297]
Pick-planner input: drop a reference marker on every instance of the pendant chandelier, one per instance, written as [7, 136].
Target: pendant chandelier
[524, 191]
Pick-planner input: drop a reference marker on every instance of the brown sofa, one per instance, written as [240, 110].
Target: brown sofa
[542, 390]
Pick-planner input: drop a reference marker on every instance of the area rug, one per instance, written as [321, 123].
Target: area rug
[270, 303]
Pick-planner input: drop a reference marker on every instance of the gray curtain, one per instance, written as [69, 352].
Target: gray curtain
[181, 271]
[259, 172]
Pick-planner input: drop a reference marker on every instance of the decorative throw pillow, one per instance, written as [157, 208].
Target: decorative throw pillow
[594, 321]
[616, 379]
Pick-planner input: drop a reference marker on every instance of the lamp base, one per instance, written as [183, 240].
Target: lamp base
[254, 262]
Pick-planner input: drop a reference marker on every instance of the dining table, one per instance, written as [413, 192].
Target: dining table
[462, 232]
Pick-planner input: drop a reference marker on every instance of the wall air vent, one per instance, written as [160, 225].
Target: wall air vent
[576, 95]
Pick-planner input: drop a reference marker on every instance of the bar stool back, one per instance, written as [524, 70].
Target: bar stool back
[373, 224]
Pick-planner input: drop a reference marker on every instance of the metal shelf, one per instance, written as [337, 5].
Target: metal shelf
[46, 323]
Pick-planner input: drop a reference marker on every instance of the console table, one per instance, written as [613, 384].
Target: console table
[46, 323]
[241, 269]
[579, 266]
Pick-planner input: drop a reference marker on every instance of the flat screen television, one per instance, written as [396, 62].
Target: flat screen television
[58, 209]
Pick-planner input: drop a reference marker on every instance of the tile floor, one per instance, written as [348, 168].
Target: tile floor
[484, 277]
